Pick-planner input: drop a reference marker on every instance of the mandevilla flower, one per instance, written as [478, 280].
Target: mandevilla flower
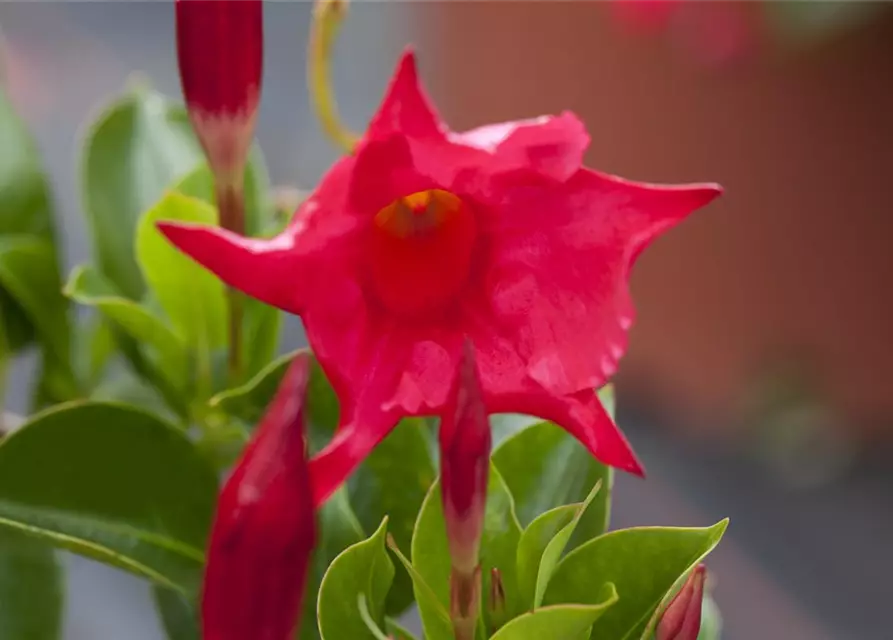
[264, 530]
[682, 618]
[465, 442]
[424, 236]
[220, 52]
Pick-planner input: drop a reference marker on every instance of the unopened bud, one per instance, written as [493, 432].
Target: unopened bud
[220, 54]
[682, 618]
[264, 530]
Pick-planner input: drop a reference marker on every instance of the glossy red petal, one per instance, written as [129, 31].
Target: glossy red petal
[263, 269]
[550, 145]
[465, 443]
[264, 531]
[558, 285]
[405, 109]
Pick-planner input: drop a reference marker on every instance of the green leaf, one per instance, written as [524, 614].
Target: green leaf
[140, 145]
[643, 563]
[192, 297]
[556, 546]
[249, 401]
[542, 545]
[545, 467]
[28, 274]
[397, 631]
[88, 287]
[362, 570]
[30, 589]
[112, 483]
[534, 540]
[262, 323]
[337, 530]
[25, 210]
[435, 616]
[393, 481]
[178, 615]
[499, 543]
[565, 621]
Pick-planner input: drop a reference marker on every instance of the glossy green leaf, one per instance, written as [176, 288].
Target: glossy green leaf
[533, 542]
[556, 546]
[499, 544]
[565, 621]
[178, 615]
[393, 481]
[112, 483]
[362, 570]
[25, 211]
[30, 589]
[545, 467]
[337, 530]
[262, 323]
[397, 631]
[88, 287]
[435, 615]
[28, 274]
[192, 298]
[248, 402]
[643, 564]
[139, 147]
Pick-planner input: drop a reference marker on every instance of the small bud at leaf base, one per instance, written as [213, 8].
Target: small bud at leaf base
[682, 618]
[465, 443]
[264, 530]
[220, 53]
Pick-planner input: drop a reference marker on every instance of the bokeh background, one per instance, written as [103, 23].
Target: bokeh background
[758, 381]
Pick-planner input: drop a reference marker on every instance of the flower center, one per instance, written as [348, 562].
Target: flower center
[421, 251]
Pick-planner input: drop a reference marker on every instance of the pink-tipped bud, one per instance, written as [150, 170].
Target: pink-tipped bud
[220, 53]
[264, 531]
[682, 618]
[465, 443]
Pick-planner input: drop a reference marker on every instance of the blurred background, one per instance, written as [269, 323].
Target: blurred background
[758, 381]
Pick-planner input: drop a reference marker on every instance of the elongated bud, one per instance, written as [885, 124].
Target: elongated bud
[465, 444]
[220, 52]
[265, 529]
[682, 618]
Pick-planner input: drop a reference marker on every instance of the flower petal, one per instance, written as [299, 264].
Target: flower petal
[264, 269]
[405, 108]
[559, 283]
[551, 145]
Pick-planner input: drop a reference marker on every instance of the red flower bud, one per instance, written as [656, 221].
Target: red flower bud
[264, 531]
[682, 618]
[465, 464]
[220, 52]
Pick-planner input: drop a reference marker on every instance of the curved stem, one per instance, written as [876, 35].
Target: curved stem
[327, 18]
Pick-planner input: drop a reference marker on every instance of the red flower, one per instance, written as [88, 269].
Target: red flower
[264, 531]
[220, 51]
[682, 618]
[424, 236]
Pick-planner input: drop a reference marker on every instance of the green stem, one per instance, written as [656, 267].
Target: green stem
[231, 207]
[327, 18]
